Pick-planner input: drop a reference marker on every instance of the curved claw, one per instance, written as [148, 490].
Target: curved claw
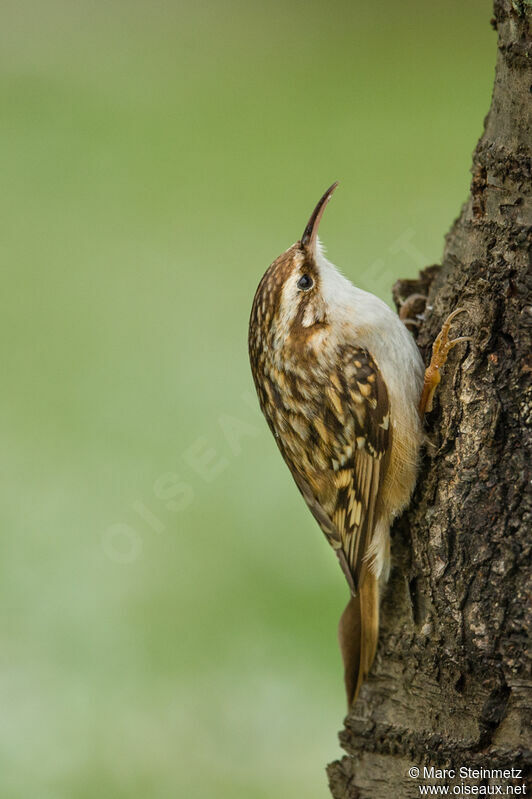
[453, 314]
[454, 341]
[442, 344]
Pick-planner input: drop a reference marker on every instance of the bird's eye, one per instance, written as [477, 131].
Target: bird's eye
[305, 282]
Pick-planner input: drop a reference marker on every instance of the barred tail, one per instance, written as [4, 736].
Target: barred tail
[358, 632]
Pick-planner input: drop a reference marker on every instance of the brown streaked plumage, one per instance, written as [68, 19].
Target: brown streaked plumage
[339, 380]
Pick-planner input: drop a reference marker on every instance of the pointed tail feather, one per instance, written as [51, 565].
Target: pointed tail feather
[358, 632]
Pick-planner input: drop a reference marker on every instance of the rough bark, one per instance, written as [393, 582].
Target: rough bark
[450, 686]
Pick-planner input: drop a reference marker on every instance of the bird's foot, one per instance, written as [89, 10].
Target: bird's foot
[412, 311]
[440, 350]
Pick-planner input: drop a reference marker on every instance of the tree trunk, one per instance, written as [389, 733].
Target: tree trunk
[450, 686]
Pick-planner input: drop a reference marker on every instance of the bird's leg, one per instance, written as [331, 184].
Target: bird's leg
[440, 350]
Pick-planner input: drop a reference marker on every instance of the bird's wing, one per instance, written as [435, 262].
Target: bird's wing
[355, 428]
[335, 437]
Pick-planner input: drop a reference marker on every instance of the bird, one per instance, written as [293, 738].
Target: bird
[343, 387]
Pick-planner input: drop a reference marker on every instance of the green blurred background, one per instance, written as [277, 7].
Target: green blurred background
[169, 607]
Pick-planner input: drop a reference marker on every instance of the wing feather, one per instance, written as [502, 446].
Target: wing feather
[367, 400]
[337, 452]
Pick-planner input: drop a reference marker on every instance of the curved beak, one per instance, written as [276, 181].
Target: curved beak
[308, 239]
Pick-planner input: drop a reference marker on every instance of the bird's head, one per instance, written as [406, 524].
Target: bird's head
[299, 291]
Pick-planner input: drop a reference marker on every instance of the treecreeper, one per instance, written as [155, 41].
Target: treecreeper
[344, 390]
